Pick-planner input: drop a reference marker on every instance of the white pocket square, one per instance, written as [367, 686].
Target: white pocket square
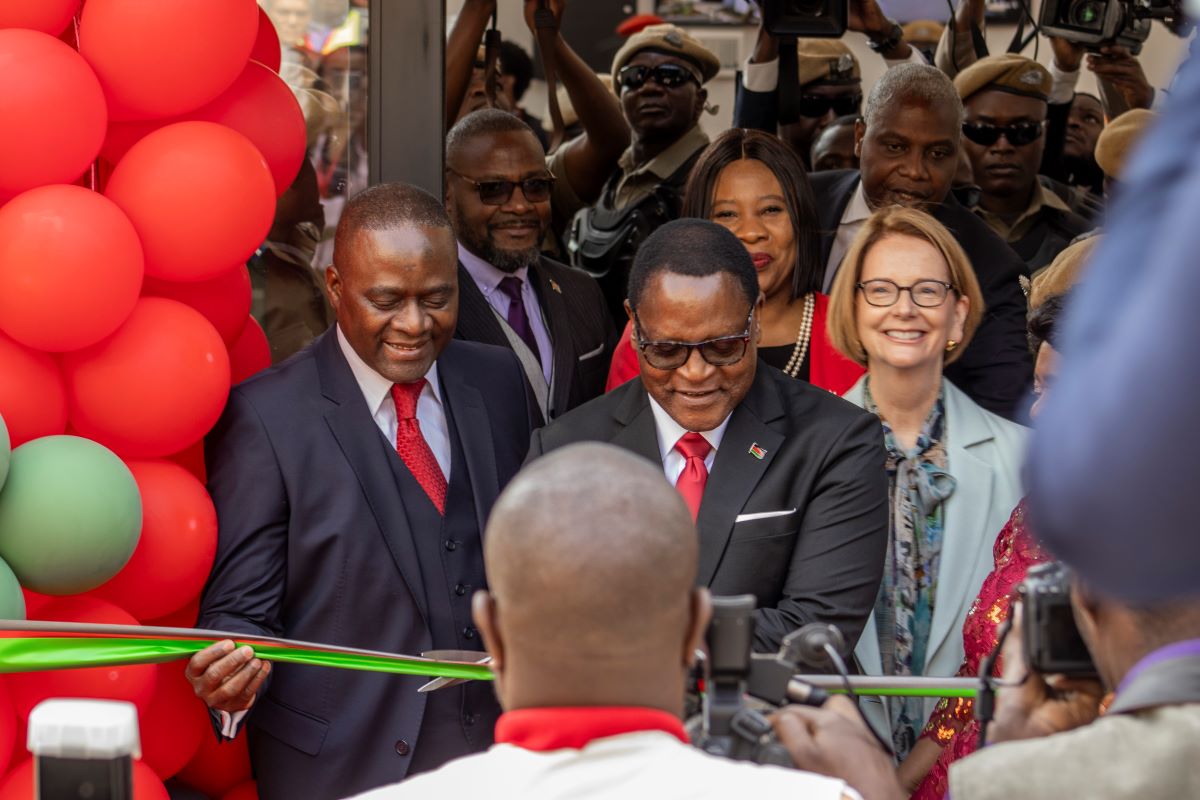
[763, 515]
[592, 353]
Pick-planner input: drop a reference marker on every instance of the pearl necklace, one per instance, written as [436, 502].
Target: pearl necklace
[801, 349]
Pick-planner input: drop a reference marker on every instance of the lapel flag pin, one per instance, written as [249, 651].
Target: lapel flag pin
[554, 285]
[757, 451]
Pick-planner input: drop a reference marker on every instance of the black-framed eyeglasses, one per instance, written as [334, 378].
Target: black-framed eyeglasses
[497, 193]
[815, 106]
[1018, 134]
[720, 352]
[667, 76]
[883, 292]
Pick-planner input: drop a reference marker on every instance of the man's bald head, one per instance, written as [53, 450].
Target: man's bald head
[389, 206]
[591, 557]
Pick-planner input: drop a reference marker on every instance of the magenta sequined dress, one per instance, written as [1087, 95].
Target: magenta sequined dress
[952, 723]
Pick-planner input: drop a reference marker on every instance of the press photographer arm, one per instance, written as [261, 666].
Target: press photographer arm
[834, 741]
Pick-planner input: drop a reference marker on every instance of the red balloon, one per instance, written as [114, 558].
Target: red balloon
[266, 49]
[53, 111]
[217, 767]
[246, 791]
[174, 724]
[70, 267]
[224, 300]
[152, 388]
[250, 354]
[183, 618]
[18, 784]
[47, 16]
[200, 196]
[261, 107]
[33, 396]
[176, 549]
[34, 601]
[8, 726]
[134, 684]
[159, 59]
[191, 458]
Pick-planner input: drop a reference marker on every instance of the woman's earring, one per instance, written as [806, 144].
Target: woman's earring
[950, 345]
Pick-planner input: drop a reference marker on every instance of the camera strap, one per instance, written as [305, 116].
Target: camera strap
[491, 61]
[546, 27]
[788, 92]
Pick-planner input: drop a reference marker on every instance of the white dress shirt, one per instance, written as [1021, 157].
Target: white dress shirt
[857, 212]
[488, 278]
[377, 391]
[669, 432]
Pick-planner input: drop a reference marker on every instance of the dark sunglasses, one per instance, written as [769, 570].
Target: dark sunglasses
[815, 105]
[1018, 134]
[720, 352]
[667, 76]
[497, 193]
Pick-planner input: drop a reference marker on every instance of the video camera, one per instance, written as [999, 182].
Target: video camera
[739, 686]
[807, 18]
[1050, 636]
[1095, 23]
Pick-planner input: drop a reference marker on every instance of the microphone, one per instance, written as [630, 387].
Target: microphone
[810, 645]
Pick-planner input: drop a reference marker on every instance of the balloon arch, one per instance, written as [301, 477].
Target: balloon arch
[143, 148]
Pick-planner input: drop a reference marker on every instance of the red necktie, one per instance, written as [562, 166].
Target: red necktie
[690, 482]
[411, 445]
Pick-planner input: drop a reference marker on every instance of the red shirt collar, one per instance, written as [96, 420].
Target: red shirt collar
[544, 729]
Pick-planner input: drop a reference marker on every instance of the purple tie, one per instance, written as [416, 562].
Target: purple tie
[518, 320]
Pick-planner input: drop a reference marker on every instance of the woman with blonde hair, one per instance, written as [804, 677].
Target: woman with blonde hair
[904, 304]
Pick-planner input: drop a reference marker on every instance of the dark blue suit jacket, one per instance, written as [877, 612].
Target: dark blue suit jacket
[315, 545]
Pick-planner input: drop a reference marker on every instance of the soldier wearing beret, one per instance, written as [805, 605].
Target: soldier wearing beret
[1004, 136]
[659, 76]
[1116, 143]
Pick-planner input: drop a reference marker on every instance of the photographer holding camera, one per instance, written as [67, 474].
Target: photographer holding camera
[1049, 742]
[593, 620]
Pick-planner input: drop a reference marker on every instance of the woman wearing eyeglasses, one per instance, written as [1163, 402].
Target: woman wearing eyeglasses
[754, 185]
[903, 305]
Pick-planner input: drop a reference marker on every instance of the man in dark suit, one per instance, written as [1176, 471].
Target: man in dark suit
[552, 316]
[785, 480]
[351, 485]
[908, 146]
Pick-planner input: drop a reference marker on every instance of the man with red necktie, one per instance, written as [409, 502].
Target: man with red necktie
[351, 485]
[785, 481]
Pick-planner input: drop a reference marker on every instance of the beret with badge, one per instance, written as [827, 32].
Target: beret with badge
[826, 61]
[673, 41]
[923, 31]
[1007, 72]
[1117, 140]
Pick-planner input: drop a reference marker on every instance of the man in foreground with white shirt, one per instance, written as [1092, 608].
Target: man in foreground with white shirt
[785, 481]
[593, 620]
[351, 484]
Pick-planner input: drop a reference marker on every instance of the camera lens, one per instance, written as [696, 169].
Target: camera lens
[1086, 14]
[807, 8]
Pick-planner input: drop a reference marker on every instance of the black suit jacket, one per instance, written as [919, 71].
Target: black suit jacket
[822, 558]
[314, 544]
[996, 369]
[580, 327]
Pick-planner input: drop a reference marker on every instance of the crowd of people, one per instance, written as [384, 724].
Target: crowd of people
[551, 413]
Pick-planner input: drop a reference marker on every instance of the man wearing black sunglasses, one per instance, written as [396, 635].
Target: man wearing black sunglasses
[659, 76]
[785, 480]
[553, 317]
[1004, 136]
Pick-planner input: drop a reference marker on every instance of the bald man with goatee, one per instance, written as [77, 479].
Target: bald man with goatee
[592, 621]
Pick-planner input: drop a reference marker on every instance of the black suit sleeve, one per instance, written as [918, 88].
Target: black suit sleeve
[245, 589]
[755, 110]
[837, 564]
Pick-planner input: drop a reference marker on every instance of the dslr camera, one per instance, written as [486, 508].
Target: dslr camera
[806, 18]
[1050, 637]
[736, 690]
[1095, 23]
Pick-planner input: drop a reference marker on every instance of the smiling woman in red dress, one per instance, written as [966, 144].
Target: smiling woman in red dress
[755, 186]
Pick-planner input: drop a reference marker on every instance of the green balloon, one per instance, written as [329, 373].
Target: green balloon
[70, 515]
[12, 602]
[5, 451]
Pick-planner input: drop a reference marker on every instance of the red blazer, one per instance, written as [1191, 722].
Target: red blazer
[827, 368]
